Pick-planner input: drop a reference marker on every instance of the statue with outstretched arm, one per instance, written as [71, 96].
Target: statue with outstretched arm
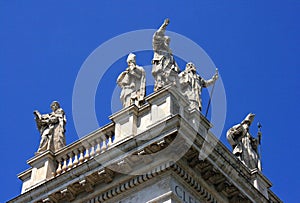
[164, 70]
[192, 83]
[160, 41]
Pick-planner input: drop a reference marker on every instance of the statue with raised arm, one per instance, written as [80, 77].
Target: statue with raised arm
[164, 68]
[133, 83]
[191, 85]
[52, 128]
[244, 146]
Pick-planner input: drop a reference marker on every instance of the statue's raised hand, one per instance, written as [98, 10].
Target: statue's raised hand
[216, 76]
[166, 22]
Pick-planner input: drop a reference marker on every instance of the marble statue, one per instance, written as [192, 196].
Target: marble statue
[244, 146]
[133, 83]
[52, 128]
[164, 69]
[191, 85]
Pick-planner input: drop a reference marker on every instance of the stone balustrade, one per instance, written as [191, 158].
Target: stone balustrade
[84, 149]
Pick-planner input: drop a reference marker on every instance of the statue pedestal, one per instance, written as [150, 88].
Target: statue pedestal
[43, 168]
[125, 123]
[260, 182]
[165, 103]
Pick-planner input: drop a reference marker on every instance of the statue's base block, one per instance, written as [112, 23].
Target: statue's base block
[125, 123]
[43, 169]
[260, 182]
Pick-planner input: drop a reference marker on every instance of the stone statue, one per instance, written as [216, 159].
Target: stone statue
[244, 146]
[164, 70]
[133, 83]
[192, 84]
[52, 128]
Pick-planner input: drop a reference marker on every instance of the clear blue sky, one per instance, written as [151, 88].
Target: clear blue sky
[255, 44]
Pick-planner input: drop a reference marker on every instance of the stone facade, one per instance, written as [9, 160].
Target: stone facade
[149, 154]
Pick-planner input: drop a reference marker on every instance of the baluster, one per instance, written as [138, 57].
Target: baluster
[103, 148]
[75, 158]
[98, 149]
[64, 167]
[87, 154]
[59, 169]
[70, 165]
[92, 149]
[109, 141]
[81, 158]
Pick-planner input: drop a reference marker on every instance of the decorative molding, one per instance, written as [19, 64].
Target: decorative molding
[202, 192]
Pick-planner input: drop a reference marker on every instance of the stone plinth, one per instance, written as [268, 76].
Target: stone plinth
[43, 168]
[159, 106]
[26, 179]
[125, 123]
[260, 182]
[165, 103]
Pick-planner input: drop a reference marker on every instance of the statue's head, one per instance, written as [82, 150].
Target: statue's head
[190, 67]
[55, 105]
[131, 59]
[249, 119]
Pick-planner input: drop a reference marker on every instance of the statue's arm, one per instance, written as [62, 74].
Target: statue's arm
[142, 88]
[62, 118]
[38, 119]
[206, 83]
[57, 116]
[166, 48]
[41, 120]
[121, 77]
[236, 131]
[161, 30]
[60, 113]
[137, 71]
[37, 115]
[54, 118]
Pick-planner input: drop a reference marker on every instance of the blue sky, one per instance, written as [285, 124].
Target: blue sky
[255, 45]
